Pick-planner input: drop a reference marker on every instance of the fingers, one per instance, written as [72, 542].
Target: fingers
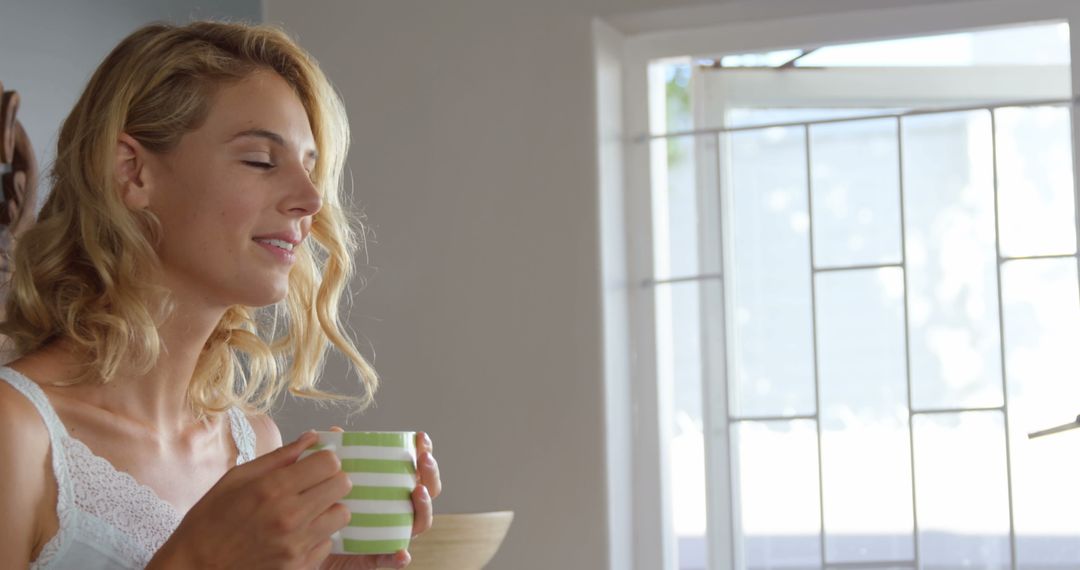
[309, 472]
[426, 466]
[422, 510]
[330, 521]
[399, 559]
[321, 497]
[428, 470]
[318, 554]
[336, 428]
[283, 456]
[423, 443]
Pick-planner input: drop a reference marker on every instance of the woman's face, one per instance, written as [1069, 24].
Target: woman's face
[236, 195]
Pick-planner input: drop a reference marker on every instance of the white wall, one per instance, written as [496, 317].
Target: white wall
[474, 125]
[473, 158]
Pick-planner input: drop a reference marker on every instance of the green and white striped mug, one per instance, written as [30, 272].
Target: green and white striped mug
[382, 467]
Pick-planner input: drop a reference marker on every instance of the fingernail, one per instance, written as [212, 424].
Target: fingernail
[427, 440]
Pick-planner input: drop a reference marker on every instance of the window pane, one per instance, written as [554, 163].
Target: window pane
[877, 567]
[679, 358]
[908, 566]
[1038, 44]
[767, 219]
[1035, 181]
[1042, 333]
[961, 490]
[752, 116]
[893, 486]
[856, 198]
[675, 213]
[951, 261]
[777, 520]
[671, 93]
[865, 450]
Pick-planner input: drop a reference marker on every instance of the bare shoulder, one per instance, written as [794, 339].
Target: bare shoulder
[25, 468]
[21, 425]
[267, 434]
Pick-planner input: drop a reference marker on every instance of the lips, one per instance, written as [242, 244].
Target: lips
[280, 254]
[285, 240]
[281, 245]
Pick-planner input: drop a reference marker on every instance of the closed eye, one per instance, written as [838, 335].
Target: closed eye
[257, 164]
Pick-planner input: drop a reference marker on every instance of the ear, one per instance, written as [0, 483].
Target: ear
[132, 174]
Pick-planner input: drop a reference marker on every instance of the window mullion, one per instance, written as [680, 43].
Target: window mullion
[719, 523]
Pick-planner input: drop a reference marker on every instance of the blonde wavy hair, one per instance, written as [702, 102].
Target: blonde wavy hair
[83, 271]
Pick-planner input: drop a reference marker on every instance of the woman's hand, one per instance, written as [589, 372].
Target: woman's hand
[274, 513]
[429, 487]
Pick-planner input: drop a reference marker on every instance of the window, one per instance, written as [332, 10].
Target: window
[862, 294]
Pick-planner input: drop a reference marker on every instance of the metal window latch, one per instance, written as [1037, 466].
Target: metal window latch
[1056, 429]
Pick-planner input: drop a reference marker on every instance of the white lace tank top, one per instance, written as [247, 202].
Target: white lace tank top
[107, 518]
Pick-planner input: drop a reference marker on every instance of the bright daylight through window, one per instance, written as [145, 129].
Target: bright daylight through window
[864, 307]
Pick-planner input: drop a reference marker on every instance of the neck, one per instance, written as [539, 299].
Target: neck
[159, 398]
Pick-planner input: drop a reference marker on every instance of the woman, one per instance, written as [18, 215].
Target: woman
[197, 179]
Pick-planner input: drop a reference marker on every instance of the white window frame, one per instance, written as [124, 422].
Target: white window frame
[640, 534]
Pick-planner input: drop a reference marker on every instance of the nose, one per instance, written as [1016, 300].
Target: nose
[303, 198]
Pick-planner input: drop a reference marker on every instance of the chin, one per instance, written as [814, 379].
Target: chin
[265, 297]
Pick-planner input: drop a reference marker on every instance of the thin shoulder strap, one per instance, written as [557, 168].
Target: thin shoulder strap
[57, 433]
[36, 395]
[243, 435]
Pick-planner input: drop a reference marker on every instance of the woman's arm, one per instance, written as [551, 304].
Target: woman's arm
[25, 471]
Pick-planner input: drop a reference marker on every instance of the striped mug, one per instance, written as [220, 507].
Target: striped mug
[382, 468]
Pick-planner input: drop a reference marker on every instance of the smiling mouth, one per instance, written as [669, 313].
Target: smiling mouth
[281, 244]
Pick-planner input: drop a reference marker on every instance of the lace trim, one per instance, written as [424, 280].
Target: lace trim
[243, 435]
[67, 517]
[97, 503]
[123, 552]
[120, 501]
[112, 508]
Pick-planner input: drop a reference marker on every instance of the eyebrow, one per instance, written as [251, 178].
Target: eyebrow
[271, 136]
